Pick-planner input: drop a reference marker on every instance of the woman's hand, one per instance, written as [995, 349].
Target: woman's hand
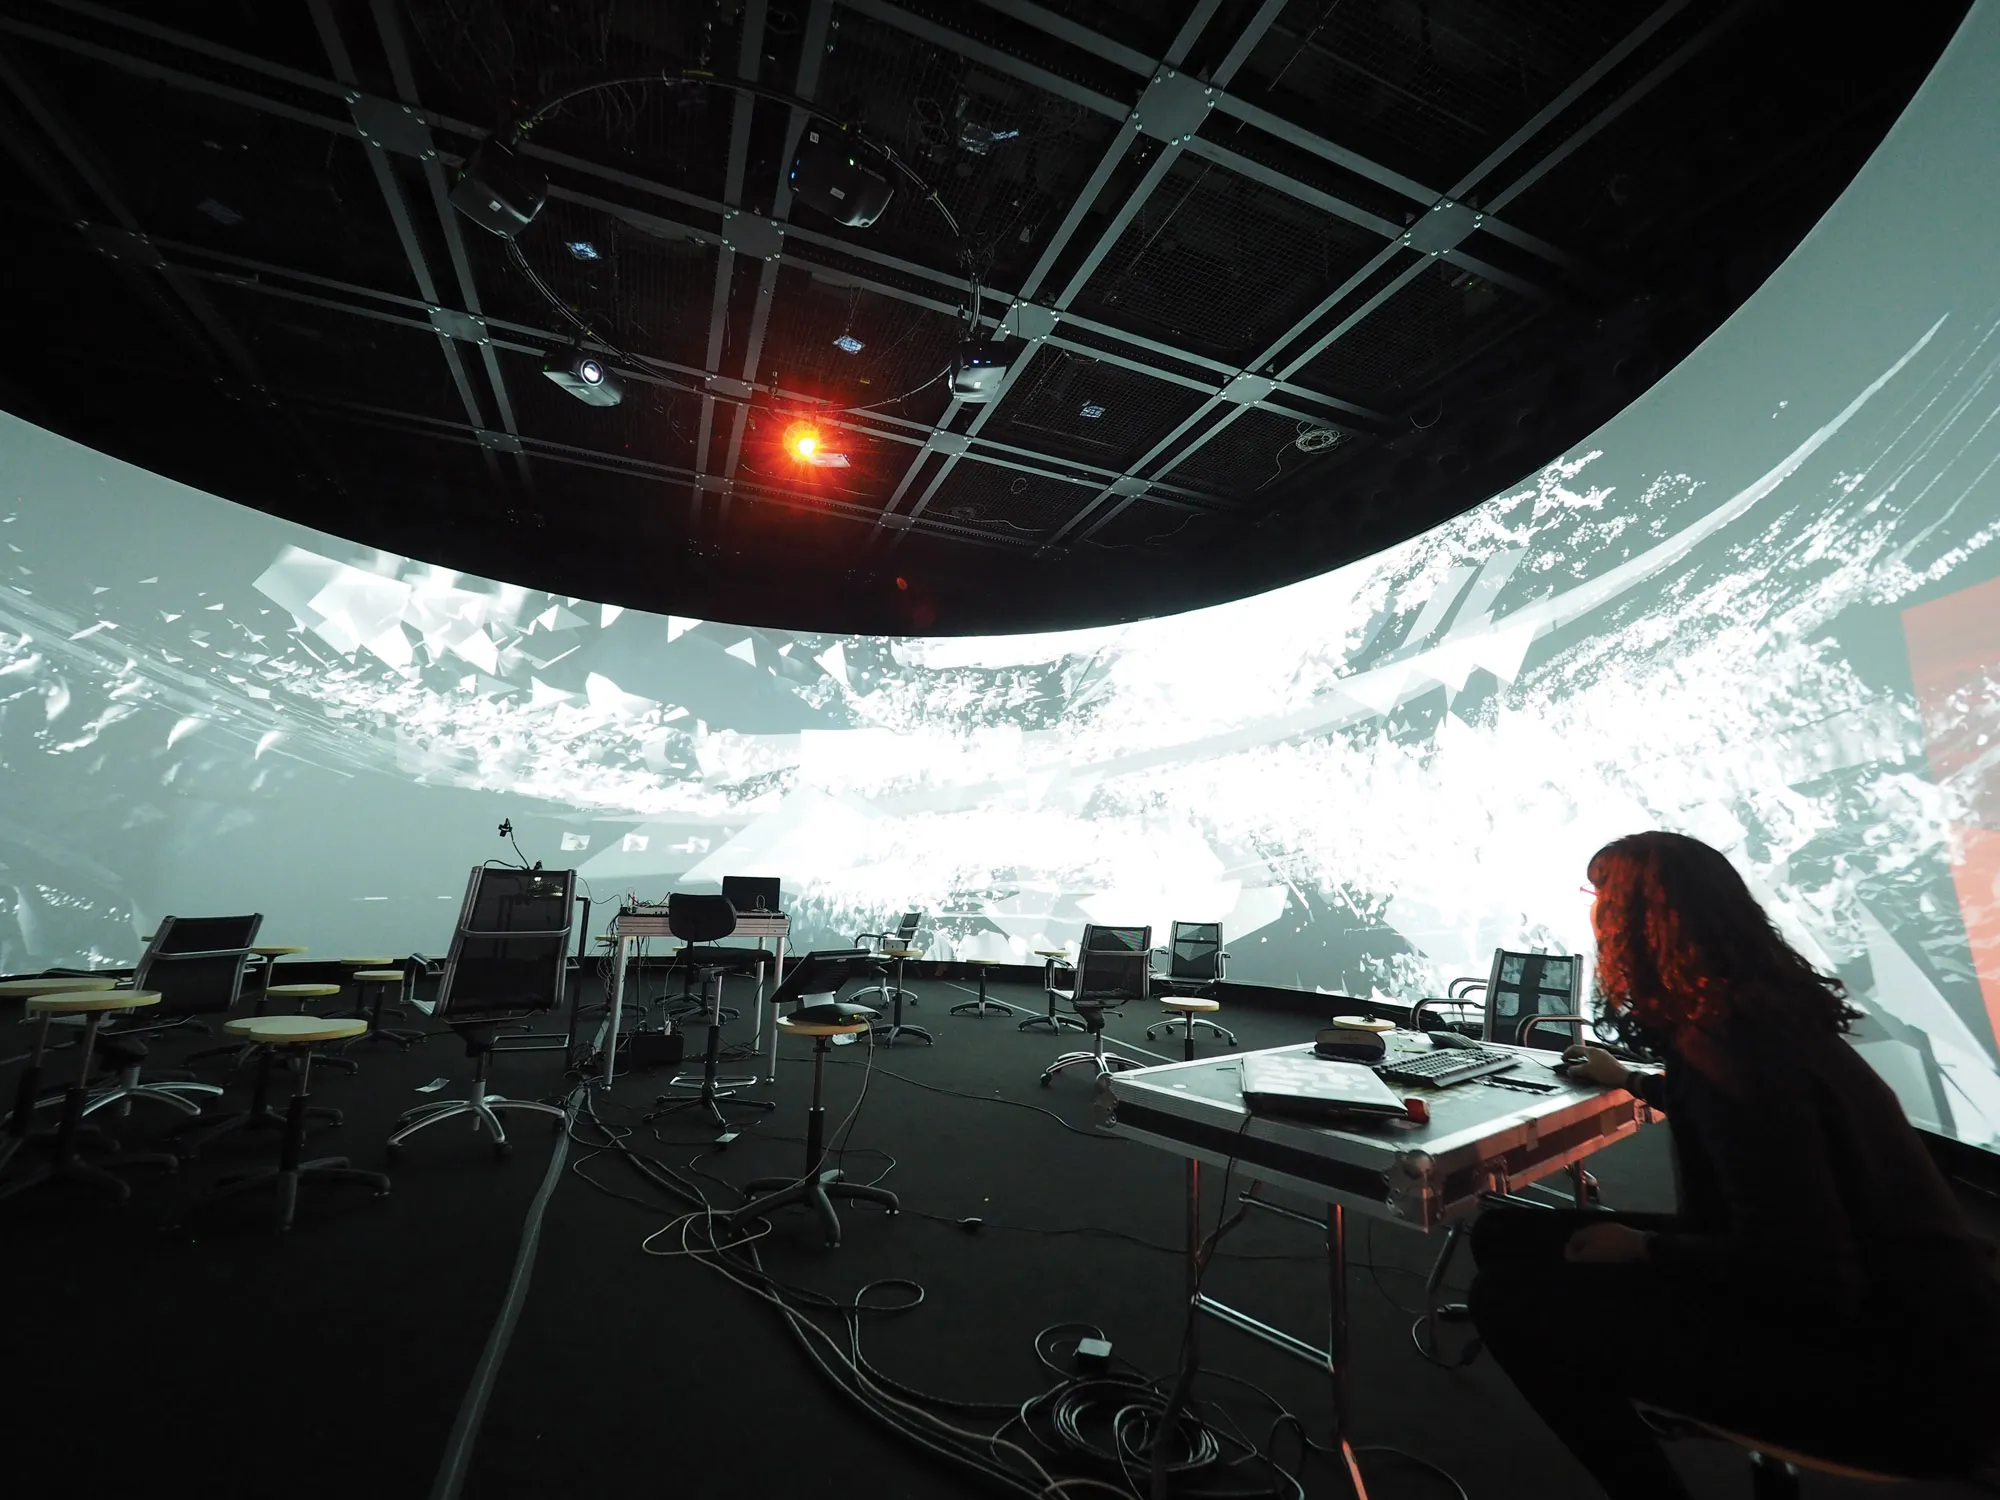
[1595, 1065]
[1606, 1244]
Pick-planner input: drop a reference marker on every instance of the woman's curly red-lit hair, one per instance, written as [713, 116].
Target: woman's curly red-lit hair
[1682, 946]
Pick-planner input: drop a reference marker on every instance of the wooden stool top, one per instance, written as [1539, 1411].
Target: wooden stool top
[25, 989]
[897, 950]
[988, 962]
[823, 1028]
[77, 1003]
[367, 963]
[293, 1031]
[1189, 1003]
[1052, 953]
[276, 950]
[302, 991]
[377, 976]
[1365, 1023]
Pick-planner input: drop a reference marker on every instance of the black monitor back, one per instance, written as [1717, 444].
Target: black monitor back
[509, 956]
[752, 893]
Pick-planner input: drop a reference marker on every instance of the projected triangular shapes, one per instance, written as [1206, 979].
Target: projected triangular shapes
[744, 650]
[833, 661]
[1379, 691]
[678, 626]
[609, 613]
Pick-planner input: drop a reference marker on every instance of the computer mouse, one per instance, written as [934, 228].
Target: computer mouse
[1449, 1039]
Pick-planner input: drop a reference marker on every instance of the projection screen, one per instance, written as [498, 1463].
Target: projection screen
[1760, 607]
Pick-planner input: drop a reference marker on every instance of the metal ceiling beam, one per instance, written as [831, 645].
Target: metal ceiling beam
[342, 62]
[1279, 128]
[1112, 502]
[438, 429]
[133, 250]
[812, 49]
[404, 76]
[1170, 96]
[748, 57]
[412, 313]
[345, 127]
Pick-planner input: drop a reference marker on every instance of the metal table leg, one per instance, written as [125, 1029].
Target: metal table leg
[1333, 1358]
[621, 954]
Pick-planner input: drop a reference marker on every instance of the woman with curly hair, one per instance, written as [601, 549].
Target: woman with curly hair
[1819, 1286]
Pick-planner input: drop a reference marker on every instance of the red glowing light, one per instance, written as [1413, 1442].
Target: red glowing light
[802, 441]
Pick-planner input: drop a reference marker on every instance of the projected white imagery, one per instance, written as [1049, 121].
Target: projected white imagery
[1759, 607]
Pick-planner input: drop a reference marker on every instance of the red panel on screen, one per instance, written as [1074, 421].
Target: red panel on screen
[1954, 646]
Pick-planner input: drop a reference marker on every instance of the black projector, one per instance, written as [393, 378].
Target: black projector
[826, 175]
[499, 192]
[583, 376]
[977, 371]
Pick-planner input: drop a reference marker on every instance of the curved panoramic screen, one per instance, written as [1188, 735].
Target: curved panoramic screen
[1759, 607]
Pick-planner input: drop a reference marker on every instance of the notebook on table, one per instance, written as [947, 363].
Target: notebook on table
[1311, 1087]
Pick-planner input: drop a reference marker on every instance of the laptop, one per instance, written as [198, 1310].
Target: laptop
[1309, 1087]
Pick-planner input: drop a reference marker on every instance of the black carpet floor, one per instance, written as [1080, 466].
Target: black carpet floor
[155, 1342]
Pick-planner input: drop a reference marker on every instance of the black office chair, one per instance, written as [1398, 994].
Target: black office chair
[509, 960]
[698, 921]
[1114, 966]
[197, 965]
[896, 947]
[1196, 966]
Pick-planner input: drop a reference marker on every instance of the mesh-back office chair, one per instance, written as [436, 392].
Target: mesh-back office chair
[1529, 1000]
[196, 964]
[1114, 967]
[698, 921]
[509, 960]
[902, 938]
[1196, 966]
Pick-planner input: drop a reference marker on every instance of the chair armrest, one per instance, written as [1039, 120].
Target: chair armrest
[1529, 1023]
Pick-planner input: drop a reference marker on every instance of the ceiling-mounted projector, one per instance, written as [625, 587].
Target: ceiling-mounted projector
[978, 371]
[498, 191]
[826, 175]
[584, 376]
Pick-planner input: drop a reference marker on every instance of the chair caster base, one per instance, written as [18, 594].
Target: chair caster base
[979, 1008]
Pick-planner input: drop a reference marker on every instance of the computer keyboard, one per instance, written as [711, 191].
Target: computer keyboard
[1442, 1068]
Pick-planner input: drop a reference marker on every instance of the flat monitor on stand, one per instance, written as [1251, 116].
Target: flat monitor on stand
[752, 895]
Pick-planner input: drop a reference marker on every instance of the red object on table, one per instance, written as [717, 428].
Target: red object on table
[1419, 1111]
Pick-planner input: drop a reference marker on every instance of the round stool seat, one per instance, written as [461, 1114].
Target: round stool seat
[82, 1002]
[303, 991]
[291, 1031]
[1189, 1003]
[277, 950]
[824, 1028]
[378, 976]
[1052, 953]
[27, 989]
[987, 962]
[367, 963]
[1365, 1023]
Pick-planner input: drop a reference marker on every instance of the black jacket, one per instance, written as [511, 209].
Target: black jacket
[1804, 1190]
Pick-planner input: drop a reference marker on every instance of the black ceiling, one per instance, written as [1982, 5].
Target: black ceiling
[1204, 228]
